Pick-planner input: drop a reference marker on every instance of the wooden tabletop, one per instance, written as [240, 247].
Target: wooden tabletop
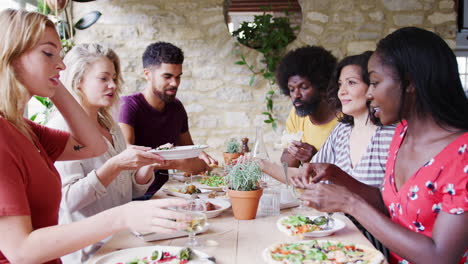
[233, 241]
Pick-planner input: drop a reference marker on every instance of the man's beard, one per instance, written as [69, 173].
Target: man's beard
[307, 108]
[166, 98]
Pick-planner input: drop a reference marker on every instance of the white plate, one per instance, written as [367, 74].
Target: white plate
[204, 186]
[180, 152]
[125, 255]
[338, 225]
[223, 203]
[185, 195]
[161, 236]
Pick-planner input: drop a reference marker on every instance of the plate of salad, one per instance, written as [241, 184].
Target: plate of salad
[155, 254]
[321, 252]
[213, 182]
[308, 226]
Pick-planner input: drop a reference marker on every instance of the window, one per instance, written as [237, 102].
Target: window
[462, 60]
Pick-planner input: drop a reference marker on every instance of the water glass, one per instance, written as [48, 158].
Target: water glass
[270, 202]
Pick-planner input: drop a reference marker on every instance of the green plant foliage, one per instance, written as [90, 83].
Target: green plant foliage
[66, 31]
[270, 36]
[244, 175]
[232, 146]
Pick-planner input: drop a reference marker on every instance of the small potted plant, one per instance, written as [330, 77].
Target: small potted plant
[233, 151]
[243, 187]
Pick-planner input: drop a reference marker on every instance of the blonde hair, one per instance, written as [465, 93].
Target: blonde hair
[78, 60]
[21, 31]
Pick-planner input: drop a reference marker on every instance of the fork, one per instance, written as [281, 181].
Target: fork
[330, 221]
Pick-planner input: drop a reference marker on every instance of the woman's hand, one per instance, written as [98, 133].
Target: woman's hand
[207, 158]
[153, 215]
[311, 173]
[135, 157]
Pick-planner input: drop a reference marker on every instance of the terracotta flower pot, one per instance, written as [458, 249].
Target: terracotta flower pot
[245, 203]
[230, 157]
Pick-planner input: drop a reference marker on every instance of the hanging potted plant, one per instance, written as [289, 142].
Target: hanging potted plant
[270, 36]
[233, 151]
[243, 187]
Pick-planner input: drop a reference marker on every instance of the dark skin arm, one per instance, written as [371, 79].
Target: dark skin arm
[315, 172]
[298, 152]
[450, 232]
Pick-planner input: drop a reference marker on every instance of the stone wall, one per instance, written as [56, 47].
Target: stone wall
[214, 90]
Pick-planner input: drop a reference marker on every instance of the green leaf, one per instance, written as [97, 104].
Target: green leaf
[274, 125]
[240, 62]
[33, 117]
[271, 92]
[270, 105]
[265, 113]
[268, 121]
[252, 79]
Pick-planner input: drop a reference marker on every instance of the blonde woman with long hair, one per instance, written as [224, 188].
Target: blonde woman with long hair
[93, 185]
[30, 194]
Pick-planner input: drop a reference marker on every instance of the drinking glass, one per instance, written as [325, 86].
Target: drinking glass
[297, 192]
[196, 209]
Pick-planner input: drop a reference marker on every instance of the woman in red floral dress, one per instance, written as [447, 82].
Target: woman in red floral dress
[420, 213]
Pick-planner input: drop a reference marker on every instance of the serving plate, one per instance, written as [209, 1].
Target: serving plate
[337, 225]
[369, 254]
[180, 152]
[222, 203]
[174, 192]
[129, 254]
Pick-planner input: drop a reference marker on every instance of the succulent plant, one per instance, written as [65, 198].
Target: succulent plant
[233, 146]
[243, 175]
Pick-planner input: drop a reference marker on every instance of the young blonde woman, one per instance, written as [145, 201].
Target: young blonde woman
[93, 185]
[29, 184]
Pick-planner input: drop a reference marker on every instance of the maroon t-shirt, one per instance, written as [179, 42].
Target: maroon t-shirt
[153, 127]
[29, 183]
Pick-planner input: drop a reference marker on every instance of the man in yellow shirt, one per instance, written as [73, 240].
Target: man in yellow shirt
[304, 74]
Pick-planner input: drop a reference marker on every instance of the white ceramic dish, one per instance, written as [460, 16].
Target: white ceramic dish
[337, 225]
[173, 192]
[180, 152]
[126, 255]
[161, 236]
[204, 186]
[222, 203]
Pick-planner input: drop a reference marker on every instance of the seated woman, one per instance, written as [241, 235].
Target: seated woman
[420, 212]
[356, 145]
[29, 183]
[93, 185]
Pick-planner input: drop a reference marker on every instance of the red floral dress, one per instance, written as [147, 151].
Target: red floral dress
[439, 185]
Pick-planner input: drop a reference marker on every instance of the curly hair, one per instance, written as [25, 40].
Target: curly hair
[311, 62]
[356, 60]
[162, 52]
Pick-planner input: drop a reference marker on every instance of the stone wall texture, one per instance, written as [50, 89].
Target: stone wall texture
[219, 101]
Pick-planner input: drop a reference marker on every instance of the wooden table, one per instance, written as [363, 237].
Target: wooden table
[233, 241]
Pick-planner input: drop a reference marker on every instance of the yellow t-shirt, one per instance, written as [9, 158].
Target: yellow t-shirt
[314, 135]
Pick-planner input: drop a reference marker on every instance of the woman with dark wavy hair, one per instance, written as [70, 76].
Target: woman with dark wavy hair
[420, 211]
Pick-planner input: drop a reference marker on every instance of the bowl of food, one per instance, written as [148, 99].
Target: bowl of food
[216, 206]
[179, 152]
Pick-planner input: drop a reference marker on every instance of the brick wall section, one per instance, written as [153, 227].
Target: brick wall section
[214, 90]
